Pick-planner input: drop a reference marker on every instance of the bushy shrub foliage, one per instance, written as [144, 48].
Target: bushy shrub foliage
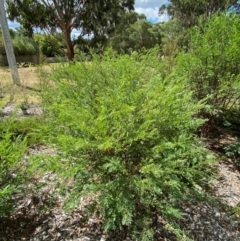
[232, 150]
[50, 45]
[125, 135]
[16, 135]
[21, 46]
[212, 64]
[24, 46]
[12, 148]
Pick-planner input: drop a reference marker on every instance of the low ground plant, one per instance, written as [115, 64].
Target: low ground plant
[232, 151]
[16, 135]
[125, 134]
[12, 149]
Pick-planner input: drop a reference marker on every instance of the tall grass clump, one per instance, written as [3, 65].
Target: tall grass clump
[125, 134]
[212, 64]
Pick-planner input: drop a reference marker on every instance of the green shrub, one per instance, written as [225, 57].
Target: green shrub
[233, 151]
[49, 45]
[16, 135]
[212, 65]
[24, 46]
[21, 45]
[12, 149]
[125, 134]
[29, 128]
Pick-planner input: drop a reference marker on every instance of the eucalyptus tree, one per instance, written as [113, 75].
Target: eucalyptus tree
[90, 17]
[189, 10]
[135, 32]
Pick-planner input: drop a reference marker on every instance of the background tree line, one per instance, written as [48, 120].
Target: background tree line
[106, 23]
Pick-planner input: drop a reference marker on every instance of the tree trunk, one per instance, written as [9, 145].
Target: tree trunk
[8, 45]
[69, 44]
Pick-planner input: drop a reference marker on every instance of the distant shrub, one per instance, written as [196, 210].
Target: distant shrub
[24, 46]
[125, 134]
[21, 46]
[49, 45]
[212, 64]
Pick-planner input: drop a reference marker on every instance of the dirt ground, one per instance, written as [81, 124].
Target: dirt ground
[30, 77]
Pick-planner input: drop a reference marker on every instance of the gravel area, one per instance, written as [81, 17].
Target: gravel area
[20, 111]
[227, 187]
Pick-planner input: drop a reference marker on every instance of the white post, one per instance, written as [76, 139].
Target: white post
[8, 45]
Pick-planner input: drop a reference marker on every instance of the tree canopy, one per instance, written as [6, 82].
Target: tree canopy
[189, 10]
[90, 17]
[134, 32]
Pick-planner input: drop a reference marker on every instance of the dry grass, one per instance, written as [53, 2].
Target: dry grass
[32, 77]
